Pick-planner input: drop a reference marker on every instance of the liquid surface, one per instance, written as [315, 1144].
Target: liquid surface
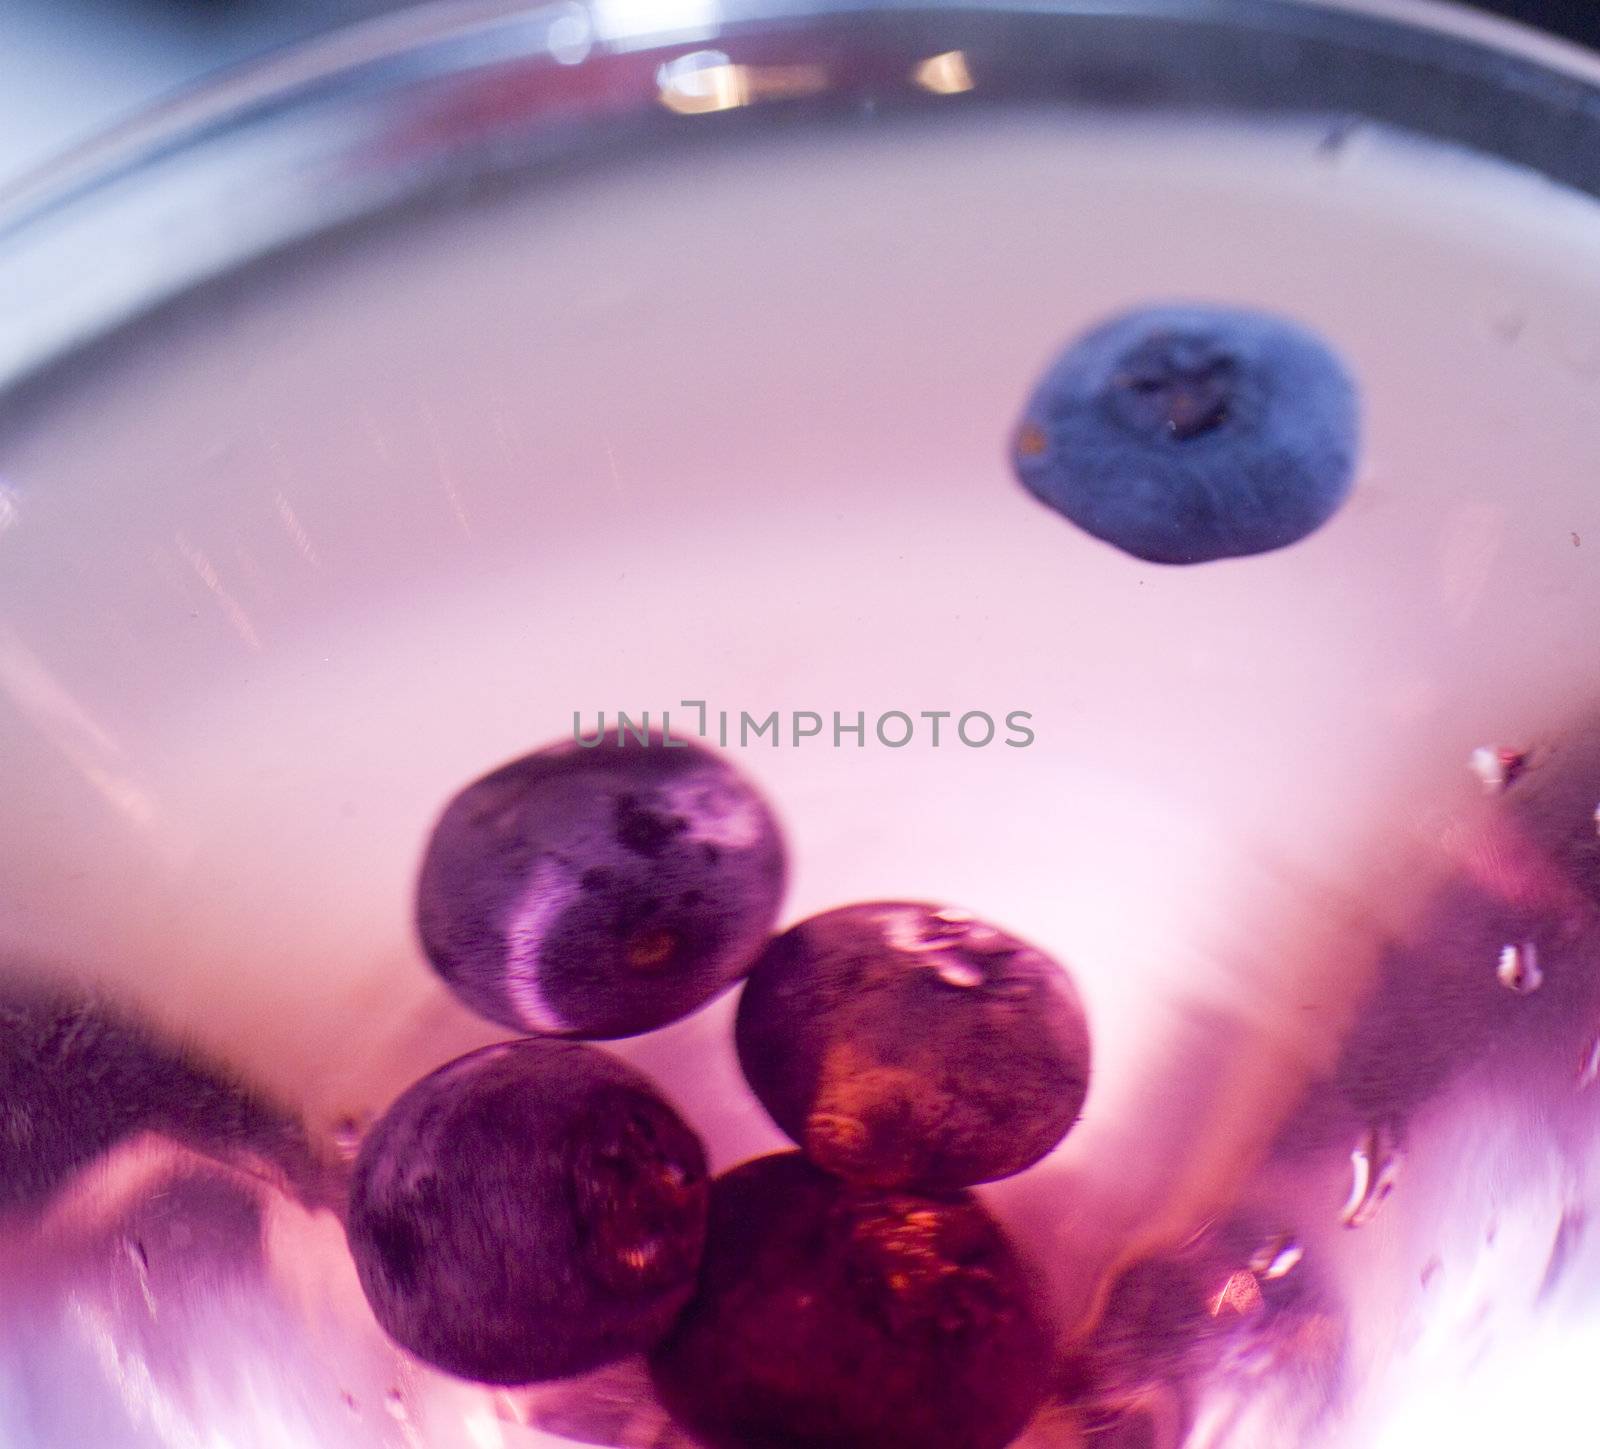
[292, 564]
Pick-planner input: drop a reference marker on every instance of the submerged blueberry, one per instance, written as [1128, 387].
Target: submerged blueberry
[1190, 433]
[909, 1045]
[835, 1317]
[527, 1212]
[1231, 1326]
[600, 891]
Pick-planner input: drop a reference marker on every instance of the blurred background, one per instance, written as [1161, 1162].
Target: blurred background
[70, 67]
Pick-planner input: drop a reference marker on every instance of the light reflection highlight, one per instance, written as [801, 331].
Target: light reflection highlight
[944, 75]
[636, 24]
[47, 705]
[706, 81]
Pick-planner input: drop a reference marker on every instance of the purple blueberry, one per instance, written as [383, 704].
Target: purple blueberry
[529, 1211]
[837, 1317]
[600, 891]
[1232, 1321]
[1184, 434]
[78, 1076]
[910, 1045]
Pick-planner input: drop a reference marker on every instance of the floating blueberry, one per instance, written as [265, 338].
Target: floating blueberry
[528, 1211]
[600, 891]
[78, 1076]
[1189, 433]
[846, 1318]
[909, 1045]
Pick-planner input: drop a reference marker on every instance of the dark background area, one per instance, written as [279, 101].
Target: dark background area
[1575, 19]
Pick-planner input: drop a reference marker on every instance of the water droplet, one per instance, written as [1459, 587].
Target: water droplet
[1374, 1169]
[953, 915]
[396, 1405]
[1430, 1271]
[1589, 1067]
[1277, 1257]
[1498, 767]
[1519, 969]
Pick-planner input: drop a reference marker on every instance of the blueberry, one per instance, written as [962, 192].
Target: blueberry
[78, 1076]
[1233, 1313]
[846, 1318]
[529, 1211]
[1189, 433]
[909, 1045]
[600, 891]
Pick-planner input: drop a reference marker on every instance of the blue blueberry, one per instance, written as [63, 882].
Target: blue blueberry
[78, 1076]
[600, 891]
[910, 1045]
[527, 1212]
[1184, 434]
[837, 1317]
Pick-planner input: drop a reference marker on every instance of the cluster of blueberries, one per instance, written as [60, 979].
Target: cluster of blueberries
[536, 1208]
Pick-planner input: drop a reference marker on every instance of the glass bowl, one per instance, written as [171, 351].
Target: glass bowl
[409, 401]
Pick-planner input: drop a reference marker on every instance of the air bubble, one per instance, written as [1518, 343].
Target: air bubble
[1519, 969]
[1276, 1258]
[1375, 1168]
[1497, 767]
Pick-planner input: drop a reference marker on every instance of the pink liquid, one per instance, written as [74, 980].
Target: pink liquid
[289, 565]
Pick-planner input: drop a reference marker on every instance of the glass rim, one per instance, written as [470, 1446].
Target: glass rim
[259, 157]
[233, 92]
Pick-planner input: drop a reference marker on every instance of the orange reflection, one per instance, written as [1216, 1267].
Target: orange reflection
[1241, 1294]
[944, 75]
[707, 81]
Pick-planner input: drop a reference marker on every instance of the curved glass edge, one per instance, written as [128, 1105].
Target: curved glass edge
[343, 128]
